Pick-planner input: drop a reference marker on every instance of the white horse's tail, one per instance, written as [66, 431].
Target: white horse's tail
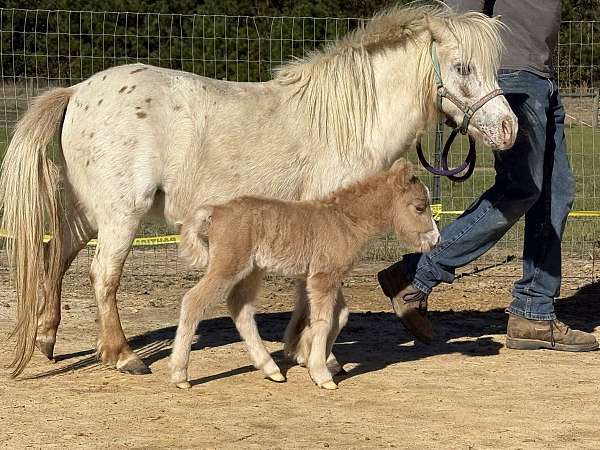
[28, 201]
[194, 238]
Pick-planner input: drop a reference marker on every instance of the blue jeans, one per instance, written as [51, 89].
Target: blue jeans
[534, 179]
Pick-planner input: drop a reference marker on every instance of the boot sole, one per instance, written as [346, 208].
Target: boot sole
[534, 344]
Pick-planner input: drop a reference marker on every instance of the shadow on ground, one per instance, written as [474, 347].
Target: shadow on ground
[370, 340]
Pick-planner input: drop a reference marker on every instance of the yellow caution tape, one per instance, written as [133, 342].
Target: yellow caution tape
[137, 242]
[584, 214]
[436, 211]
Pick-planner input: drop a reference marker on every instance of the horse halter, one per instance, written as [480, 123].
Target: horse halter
[469, 111]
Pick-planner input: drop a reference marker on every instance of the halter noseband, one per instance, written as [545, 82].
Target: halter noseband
[469, 111]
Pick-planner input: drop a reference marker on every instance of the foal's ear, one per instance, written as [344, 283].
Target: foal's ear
[403, 171]
[399, 165]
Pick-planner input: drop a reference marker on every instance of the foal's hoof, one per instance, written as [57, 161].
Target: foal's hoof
[329, 385]
[301, 360]
[276, 377]
[47, 348]
[183, 385]
[134, 366]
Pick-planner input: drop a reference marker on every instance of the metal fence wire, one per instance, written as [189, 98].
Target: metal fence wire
[40, 49]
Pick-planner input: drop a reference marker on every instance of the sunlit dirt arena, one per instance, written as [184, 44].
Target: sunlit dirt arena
[466, 390]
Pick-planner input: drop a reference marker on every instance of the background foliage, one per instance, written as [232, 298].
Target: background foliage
[62, 44]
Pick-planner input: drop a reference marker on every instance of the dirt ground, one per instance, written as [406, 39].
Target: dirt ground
[466, 390]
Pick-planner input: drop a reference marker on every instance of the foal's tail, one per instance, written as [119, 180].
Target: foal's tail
[194, 238]
[28, 201]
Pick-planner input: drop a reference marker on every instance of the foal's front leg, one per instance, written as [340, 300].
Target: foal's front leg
[298, 335]
[323, 293]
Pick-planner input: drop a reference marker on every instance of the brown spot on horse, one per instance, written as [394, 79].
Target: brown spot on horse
[100, 101]
[122, 89]
[138, 70]
[141, 114]
[131, 89]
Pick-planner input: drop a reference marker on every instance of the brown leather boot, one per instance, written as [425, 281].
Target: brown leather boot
[526, 334]
[409, 303]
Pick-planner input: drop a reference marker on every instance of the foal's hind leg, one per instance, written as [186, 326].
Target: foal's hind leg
[74, 236]
[340, 318]
[114, 242]
[298, 323]
[214, 287]
[242, 311]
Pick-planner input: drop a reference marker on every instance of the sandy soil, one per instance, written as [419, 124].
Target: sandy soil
[464, 391]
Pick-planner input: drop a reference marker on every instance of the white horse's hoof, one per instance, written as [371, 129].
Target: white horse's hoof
[329, 385]
[277, 377]
[183, 385]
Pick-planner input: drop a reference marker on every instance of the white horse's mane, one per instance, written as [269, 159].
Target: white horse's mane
[335, 86]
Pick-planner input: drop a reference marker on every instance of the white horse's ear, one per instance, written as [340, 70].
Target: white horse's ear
[438, 28]
[498, 18]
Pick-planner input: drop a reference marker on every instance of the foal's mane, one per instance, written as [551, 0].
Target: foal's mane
[396, 180]
[335, 86]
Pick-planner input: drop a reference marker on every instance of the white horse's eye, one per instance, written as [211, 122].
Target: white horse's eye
[463, 69]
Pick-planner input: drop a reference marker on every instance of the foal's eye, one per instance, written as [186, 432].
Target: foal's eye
[463, 69]
[420, 208]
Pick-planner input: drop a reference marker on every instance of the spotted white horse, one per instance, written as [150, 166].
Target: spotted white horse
[137, 139]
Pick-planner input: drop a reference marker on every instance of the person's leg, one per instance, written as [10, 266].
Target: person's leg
[532, 321]
[545, 221]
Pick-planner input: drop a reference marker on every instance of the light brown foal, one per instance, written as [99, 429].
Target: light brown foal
[317, 240]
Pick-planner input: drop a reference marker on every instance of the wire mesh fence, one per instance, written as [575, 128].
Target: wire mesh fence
[41, 49]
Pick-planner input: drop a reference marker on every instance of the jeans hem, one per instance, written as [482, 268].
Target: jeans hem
[529, 315]
[421, 286]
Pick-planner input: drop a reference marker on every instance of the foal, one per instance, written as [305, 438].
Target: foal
[318, 240]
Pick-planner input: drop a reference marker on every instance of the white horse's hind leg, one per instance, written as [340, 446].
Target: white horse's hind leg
[114, 242]
[74, 236]
[242, 311]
